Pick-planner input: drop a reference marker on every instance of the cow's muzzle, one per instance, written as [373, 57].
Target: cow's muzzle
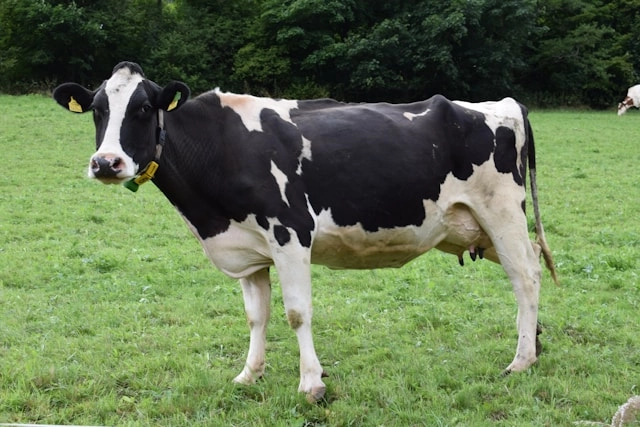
[625, 105]
[622, 109]
[106, 167]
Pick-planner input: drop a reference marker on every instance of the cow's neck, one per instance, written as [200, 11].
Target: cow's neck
[184, 163]
[149, 171]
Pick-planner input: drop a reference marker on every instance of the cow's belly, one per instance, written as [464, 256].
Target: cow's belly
[355, 248]
[246, 247]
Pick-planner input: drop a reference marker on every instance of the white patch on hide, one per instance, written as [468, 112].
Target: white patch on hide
[412, 116]
[282, 181]
[507, 113]
[249, 108]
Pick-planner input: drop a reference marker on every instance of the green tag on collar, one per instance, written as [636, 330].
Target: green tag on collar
[131, 185]
[144, 176]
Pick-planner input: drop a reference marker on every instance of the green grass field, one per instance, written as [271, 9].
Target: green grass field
[110, 314]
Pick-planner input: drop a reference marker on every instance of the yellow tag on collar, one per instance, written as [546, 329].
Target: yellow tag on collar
[74, 106]
[147, 173]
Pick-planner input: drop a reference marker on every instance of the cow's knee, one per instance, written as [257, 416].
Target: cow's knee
[295, 319]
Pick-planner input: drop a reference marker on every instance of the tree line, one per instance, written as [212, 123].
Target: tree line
[545, 52]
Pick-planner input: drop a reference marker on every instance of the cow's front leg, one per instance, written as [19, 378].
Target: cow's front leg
[295, 281]
[256, 290]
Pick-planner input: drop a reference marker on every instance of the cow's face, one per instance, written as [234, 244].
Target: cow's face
[625, 105]
[125, 112]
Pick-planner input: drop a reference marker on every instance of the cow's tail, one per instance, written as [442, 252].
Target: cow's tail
[540, 238]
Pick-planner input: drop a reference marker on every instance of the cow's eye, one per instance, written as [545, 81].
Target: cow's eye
[100, 112]
[146, 108]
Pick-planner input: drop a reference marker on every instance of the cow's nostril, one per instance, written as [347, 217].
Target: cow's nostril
[116, 164]
[106, 165]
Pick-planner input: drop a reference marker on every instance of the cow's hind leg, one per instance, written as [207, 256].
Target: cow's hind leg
[526, 285]
[508, 232]
[256, 290]
[523, 268]
[295, 280]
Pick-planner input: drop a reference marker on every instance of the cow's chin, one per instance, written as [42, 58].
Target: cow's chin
[112, 180]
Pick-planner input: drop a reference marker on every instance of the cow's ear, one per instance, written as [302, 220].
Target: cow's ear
[73, 97]
[173, 96]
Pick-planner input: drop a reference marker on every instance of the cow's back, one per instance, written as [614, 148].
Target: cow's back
[376, 173]
[374, 164]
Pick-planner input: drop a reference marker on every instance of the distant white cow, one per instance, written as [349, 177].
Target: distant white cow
[632, 100]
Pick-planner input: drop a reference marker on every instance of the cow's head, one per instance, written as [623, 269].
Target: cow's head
[631, 100]
[127, 111]
[625, 105]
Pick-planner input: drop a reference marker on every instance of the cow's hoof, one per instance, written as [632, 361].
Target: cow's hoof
[316, 394]
[243, 380]
[520, 364]
[247, 377]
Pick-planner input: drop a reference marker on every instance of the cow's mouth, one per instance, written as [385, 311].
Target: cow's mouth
[113, 180]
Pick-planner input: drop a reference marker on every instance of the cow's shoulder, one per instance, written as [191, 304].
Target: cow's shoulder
[251, 109]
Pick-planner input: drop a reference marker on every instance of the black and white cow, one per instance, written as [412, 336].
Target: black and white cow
[631, 100]
[264, 182]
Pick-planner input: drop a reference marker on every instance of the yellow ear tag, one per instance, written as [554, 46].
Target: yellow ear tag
[74, 106]
[174, 103]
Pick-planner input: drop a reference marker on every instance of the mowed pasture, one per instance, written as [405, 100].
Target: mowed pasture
[110, 313]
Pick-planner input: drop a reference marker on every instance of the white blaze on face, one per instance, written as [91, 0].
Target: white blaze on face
[118, 89]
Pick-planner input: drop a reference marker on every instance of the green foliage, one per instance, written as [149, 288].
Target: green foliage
[38, 37]
[585, 51]
[401, 51]
[199, 43]
[283, 36]
[263, 70]
[133, 29]
[563, 52]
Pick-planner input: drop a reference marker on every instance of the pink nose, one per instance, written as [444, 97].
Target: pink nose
[106, 165]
